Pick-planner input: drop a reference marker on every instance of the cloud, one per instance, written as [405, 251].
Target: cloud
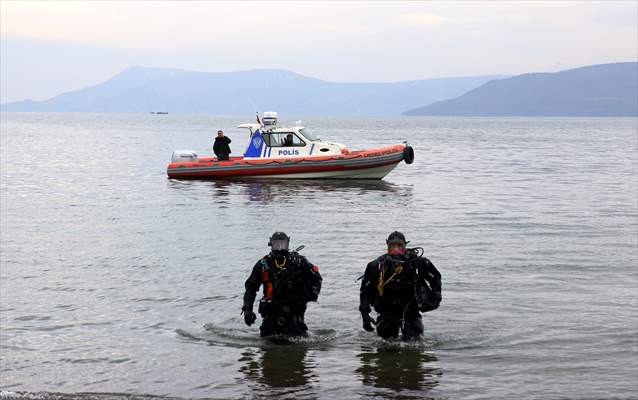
[337, 41]
[424, 20]
[342, 28]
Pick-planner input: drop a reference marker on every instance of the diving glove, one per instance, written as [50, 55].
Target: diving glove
[313, 295]
[249, 317]
[368, 321]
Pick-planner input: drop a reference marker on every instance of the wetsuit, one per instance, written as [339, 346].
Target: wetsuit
[400, 288]
[289, 283]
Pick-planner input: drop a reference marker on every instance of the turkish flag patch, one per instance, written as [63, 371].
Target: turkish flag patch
[315, 268]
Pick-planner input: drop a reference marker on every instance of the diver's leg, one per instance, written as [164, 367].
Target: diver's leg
[412, 326]
[266, 328]
[294, 315]
[297, 326]
[388, 326]
[302, 324]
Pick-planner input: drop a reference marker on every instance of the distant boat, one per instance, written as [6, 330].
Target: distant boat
[159, 112]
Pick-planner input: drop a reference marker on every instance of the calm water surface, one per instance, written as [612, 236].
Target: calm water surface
[116, 279]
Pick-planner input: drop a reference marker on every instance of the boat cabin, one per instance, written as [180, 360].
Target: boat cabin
[269, 140]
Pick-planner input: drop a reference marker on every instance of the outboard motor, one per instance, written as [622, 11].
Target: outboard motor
[183, 156]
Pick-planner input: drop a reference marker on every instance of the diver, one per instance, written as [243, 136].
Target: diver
[400, 285]
[289, 282]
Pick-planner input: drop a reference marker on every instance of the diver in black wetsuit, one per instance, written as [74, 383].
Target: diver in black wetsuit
[399, 285]
[290, 281]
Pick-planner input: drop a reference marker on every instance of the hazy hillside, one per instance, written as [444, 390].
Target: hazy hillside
[140, 89]
[597, 90]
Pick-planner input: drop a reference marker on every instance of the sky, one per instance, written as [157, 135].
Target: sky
[47, 48]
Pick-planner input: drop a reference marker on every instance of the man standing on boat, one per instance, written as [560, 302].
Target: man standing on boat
[221, 147]
[289, 282]
[399, 285]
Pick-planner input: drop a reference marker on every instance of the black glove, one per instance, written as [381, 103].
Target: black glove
[249, 317]
[427, 299]
[368, 321]
[313, 295]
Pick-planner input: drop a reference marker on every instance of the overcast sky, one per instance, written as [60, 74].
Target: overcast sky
[51, 47]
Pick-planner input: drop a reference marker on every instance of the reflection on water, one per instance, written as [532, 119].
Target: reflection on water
[290, 190]
[279, 370]
[265, 191]
[222, 191]
[402, 370]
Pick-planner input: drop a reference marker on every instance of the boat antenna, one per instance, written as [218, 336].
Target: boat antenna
[252, 103]
[255, 108]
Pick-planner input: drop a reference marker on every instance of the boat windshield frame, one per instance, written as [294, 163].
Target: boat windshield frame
[305, 132]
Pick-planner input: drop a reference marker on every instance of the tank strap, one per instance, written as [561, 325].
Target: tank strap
[381, 273]
[397, 270]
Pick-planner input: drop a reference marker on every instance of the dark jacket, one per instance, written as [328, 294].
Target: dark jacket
[297, 282]
[405, 280]
[221, 145]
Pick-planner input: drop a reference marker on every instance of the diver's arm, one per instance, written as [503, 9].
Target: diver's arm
[366, 294]
[432, 275]
[365, 297]
[252, 286]
[364, 301]
[313, 278]
[430, 282]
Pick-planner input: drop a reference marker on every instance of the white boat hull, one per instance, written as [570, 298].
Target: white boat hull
[369, 173]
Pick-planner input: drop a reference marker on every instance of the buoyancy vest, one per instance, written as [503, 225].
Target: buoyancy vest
[266, 275]
[399, 277]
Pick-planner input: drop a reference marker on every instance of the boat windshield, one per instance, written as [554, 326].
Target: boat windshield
[305, 132]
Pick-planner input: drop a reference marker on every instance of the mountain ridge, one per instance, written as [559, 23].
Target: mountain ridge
[606, 90]
[146, 89]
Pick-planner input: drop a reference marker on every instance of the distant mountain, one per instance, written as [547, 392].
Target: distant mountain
[140, 89]
[605, 90]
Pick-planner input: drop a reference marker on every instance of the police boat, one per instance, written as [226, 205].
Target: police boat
[290, 153]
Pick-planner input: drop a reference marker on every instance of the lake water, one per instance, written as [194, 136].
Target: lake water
[117, 279]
